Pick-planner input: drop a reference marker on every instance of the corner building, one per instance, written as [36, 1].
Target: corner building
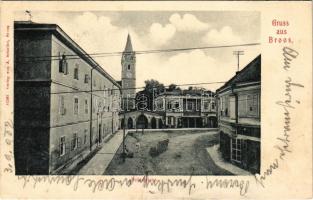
[65, 104]
[239, 117]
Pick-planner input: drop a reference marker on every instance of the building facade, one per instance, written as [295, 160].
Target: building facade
[239, 113]
[186, 109]
[128, 62]
[65, 104]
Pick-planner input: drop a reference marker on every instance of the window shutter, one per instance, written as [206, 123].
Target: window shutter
[67, 147]
[79, 142]
[72, 144]
[65, 67]
[60, 105]
[61, 66]
[60, 148]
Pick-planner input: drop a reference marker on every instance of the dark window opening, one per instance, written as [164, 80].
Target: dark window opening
[63, 66]
[76, 73]
[86, 78]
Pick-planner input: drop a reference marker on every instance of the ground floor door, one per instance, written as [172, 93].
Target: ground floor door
[130, 123]
[253, 156]
[225, 146]
[153, 123]
[142, 122]
[192, 122]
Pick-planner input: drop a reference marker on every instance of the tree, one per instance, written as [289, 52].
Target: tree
[144, 98]
[153, 86]
[173, 87]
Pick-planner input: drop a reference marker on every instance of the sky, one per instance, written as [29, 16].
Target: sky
[103, 31]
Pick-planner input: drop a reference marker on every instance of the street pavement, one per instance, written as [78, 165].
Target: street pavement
[100, 161]
[218, 160]
[97, 164]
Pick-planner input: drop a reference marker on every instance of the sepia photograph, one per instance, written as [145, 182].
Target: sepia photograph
[137, 93]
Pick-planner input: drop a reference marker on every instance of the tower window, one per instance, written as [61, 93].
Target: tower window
[128, 67]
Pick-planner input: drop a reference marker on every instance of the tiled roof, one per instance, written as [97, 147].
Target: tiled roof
[250, 73]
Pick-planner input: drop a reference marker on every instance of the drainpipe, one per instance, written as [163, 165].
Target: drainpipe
[97, 132]
[112, 110]
[112, 122]
[90, 138]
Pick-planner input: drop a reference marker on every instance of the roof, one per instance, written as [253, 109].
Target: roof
[187, 93]
[60, 34]
[250, 73]
[119, 82]
[128, 47]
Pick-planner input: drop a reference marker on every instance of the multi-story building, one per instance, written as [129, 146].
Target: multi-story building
[239, 117]
[186, 108]
[65, 104]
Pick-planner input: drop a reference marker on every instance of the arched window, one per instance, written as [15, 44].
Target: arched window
[128, 67]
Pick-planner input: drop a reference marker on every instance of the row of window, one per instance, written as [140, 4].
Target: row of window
[248, 106]
[63, 68]
[191, 105]
[98, 106]
[75, 143]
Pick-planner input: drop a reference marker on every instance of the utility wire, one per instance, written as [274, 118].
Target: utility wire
[188, 84]
[110, 54]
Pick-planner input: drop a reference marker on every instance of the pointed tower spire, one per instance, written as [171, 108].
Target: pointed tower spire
[128, 47]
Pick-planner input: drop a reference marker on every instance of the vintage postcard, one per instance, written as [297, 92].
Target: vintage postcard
[156, 100]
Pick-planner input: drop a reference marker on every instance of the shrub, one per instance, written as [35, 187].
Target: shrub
[160, 148]
[153, 152]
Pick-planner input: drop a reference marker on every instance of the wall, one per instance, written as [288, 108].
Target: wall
[68, 123]
[103, 115]
[31, 104]
[31, 44]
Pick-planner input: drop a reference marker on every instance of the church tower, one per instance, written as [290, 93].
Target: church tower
[128, 75]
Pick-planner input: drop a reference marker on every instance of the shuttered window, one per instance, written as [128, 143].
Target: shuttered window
[63, 66]
[86, 78]
[253, 105]
[248, 105]
[75, 106]
[62, 109]
[86, 106]
[62, 146]
[74, 141]
[76, 73]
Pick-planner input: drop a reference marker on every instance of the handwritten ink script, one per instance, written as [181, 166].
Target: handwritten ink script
[152, 184]
[8, 154]
[288, 105]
